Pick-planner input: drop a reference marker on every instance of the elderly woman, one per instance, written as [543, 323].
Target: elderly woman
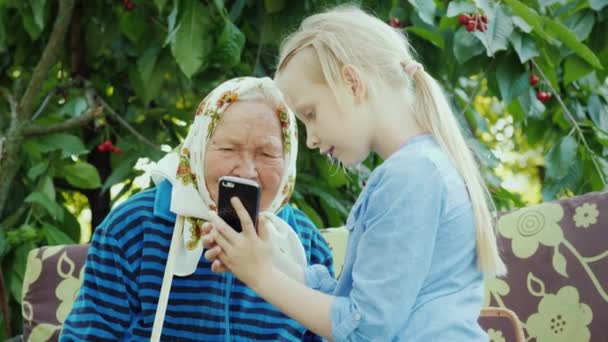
[144, 266]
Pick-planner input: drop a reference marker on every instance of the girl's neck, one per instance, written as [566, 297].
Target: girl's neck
[394, 124]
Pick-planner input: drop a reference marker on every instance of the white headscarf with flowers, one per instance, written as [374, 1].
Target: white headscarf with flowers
[185, 166]
[190, 199]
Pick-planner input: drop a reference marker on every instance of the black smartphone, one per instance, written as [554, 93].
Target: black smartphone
[247, 191]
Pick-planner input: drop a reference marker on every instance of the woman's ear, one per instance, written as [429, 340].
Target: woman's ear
[352, 77]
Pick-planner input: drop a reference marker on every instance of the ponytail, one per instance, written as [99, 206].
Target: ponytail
[434, 114]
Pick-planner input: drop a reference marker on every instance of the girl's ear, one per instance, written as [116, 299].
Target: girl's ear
[352, 77]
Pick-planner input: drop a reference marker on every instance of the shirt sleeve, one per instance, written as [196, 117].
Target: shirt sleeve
[102, 310]
[394, 253]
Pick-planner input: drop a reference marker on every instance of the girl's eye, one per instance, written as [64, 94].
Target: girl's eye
[309, 115]
[226, 149]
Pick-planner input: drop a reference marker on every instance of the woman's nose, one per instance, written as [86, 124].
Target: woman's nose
[246, 168]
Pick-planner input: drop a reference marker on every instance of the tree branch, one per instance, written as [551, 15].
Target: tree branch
[578, 129]
[48, 59]
[125, 124]
[78, 121]
[13, 105]
[13, 140]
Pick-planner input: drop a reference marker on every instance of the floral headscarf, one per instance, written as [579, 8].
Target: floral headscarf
[185, 166]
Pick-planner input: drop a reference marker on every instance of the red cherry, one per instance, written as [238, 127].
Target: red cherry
[463, 19]
[102, 148]
[543, 96]
[115, 150]
[394, 22]
[128, 5]
[471, 26]
[484, 19]
[533, 80]
[480, 26]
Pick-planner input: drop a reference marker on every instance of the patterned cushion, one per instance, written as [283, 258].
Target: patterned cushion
[52, 279]
[557, 257]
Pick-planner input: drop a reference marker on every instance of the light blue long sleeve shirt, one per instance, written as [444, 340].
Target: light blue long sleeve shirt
[410, 269]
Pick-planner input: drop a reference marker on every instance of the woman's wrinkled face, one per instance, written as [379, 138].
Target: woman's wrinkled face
[247, 143]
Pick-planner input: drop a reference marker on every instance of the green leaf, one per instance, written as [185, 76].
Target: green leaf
[74, 106]
[81, 175]
[512, 79]
[54, 236]
[561, 32]
[171, 25]
[425, 9]
[146, 63]
[553, 187]
[598, 112]
[597, 5]
[581, 23]
[459, 7]
[432, 36]
[192, 43]
[230, 45]
[528, 15]
[483, 153]
[119, 173]
[67, 143]
[560, 157]
[559, 262]
[47, 203]
[47, 187]
[29, 23]
[133, 24]
[70, 226]
[601, 136]
[524, 46]
[37, 170]
[38, 11]
[575, 68]
[148, 78]
[466, 46]
[4, 245]
[531, 106]
[160, 4]
[521, 24]
[274, 6]
[545, 64]
[500, 26]
[17, 269]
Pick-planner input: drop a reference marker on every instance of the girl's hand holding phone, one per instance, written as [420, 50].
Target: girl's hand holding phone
[246, 254]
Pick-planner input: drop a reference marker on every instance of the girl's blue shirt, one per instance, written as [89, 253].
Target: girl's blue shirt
[410, 270]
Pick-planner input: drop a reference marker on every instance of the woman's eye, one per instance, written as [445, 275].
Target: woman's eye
[310, 115]
[269, 155]
[226, 149]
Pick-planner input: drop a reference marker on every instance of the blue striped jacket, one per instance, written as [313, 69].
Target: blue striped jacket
[124, 271]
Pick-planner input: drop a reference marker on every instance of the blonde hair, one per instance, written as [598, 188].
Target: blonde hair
[346, 35]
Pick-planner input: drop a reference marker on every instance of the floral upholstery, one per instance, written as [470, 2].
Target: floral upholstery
[52, 280]
[557, 256]
[557, 259]
[556, 253]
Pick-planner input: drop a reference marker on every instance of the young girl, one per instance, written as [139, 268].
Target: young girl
[421, 233]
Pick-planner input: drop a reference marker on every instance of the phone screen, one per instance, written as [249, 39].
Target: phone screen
[247, 191]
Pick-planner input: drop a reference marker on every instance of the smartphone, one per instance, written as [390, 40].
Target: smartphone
[247, 191]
